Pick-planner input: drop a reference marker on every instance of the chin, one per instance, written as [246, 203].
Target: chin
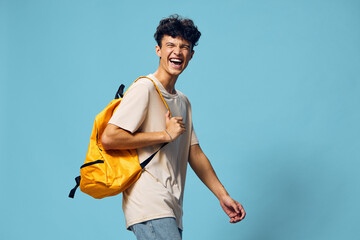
[176, 73]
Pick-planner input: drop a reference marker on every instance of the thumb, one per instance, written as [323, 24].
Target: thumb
[236, 207]
[167, 115]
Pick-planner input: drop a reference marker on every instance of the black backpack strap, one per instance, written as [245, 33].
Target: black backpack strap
[144, 163]
[72, 192]
[120, 92]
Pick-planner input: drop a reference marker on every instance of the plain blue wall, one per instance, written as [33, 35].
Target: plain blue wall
[275, 92]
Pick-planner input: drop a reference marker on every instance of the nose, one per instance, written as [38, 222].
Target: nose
[177, 50]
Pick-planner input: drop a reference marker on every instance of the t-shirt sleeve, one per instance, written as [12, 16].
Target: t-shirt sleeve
[194, 139]
[132, 109]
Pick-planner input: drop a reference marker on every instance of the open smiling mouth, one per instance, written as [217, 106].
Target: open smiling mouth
[176, 62]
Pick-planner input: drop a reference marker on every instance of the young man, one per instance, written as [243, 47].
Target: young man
[153, 205]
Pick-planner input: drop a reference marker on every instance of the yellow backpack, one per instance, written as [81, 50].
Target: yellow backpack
[107, 173]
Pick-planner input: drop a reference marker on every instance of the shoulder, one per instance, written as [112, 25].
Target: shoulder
[142, 85]
[145, 81]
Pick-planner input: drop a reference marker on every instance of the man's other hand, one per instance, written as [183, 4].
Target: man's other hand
[233, 209]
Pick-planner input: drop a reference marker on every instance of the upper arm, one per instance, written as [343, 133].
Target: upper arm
[195, 154]
[111, 134]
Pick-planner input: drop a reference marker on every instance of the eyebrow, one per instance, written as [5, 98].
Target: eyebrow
[182, 45]
[185, 45]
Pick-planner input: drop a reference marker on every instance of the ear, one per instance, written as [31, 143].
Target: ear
[192, 54]
[158, 50]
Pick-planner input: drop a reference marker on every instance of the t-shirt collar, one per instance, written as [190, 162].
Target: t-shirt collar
[162, 89]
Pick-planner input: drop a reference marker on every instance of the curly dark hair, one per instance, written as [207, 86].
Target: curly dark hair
[176, 26]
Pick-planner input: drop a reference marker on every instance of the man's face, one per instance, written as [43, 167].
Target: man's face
[175, 54]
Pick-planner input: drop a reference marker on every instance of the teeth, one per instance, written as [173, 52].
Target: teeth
[176, 60]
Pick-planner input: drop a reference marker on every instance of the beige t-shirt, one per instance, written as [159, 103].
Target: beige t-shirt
[159, 191]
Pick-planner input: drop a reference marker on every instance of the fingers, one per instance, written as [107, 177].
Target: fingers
[174, 126]
[177, 119]
[240, 215]
[242, 211]
[236, 206]
[233, 209]
[235, 220]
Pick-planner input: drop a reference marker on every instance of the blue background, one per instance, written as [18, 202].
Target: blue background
[275, 90]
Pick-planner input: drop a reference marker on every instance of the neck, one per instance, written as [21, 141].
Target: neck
[168, 81]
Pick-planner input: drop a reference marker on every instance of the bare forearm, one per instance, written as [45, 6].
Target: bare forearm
[203, 169]
[115, 138]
